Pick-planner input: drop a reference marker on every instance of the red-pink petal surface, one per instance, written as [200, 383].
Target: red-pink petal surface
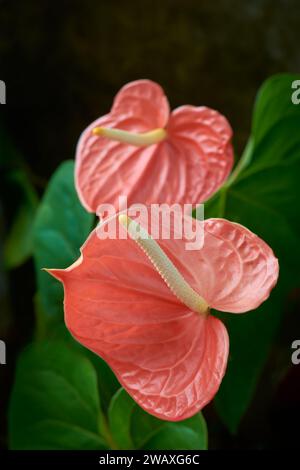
[186, 168]
[234, 271]
[244, 266]
[204, 137]
[106, 169]
[143, 101]
[169, 359]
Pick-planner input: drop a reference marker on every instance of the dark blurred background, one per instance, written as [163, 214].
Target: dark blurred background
[63, 62]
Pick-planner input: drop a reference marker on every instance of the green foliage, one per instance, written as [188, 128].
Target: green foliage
[55, 404]
[56, 397]
[262, 194]
[273, 105]
[133, 428]
[120, 412]
[61, 227]
[107, 381]
[55, 401]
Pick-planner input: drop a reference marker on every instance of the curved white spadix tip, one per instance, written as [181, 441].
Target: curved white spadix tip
[132, 138]
[164, 266]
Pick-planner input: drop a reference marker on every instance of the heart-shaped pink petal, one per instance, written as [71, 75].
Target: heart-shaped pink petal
[186, 168]
[170, 359]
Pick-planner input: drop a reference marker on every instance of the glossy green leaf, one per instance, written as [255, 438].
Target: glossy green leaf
[107, 382]
[133, 428]
[273, 104]
[262, 196]
[173, 436]
[119, 416]
[55, 401]
[145, 427]
[251, 336]
[61, 227]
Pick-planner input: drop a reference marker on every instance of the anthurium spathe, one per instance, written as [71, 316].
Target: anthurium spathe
[144, 306]
[142, 151]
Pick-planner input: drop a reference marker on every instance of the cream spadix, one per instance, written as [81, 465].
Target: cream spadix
[133, 138]
[164, 266]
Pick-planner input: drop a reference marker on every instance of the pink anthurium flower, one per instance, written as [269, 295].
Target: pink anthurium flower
[144, 306]
[141, 151]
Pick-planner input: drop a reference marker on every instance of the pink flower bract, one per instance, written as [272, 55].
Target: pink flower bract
[170, 359]
[187, 167]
